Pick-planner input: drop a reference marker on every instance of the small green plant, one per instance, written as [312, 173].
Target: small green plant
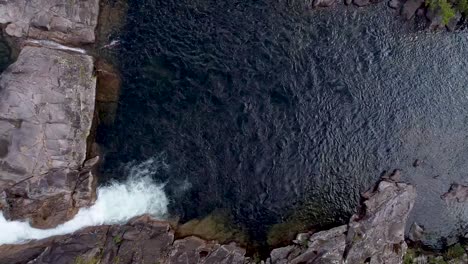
[446, 9]
[436, 260]
[454, 252]
[118, 239]
[83, 260]
[409, 257]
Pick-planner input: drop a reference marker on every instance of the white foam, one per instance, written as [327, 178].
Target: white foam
[116, 203]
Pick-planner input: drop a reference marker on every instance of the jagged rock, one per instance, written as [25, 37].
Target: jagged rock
[377, 234]
[70, 21]
[416, 233]
[46, 110]
[457, 193]
[410, 7]
[323, 3]
[395, 4]
[142, 241]
[374, 236]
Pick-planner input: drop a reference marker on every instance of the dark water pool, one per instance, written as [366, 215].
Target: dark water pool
[268, 108]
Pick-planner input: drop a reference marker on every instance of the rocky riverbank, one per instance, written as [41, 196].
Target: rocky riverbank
[47, 103]
[374, 235]
[47, 164]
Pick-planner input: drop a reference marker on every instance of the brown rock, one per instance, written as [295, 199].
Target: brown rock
[457, 193]
[376, 235]
[62, 21]
[142, 241]
[46, 109]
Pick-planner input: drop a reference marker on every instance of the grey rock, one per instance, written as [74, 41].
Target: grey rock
[143, 240]
[457, 193]
[416, 233]
[377, 234]
[395, 4]
[410, 7]
[72, 21]
[361, 3]
[46, 110]
[323, 3]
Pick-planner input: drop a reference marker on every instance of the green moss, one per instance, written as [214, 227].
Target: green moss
[463, 7]
[454, 252]
[284, 233]
[409, 256]
[436, 260]
[218, 226]
[446, 9]
[83, 260]
[118, 239]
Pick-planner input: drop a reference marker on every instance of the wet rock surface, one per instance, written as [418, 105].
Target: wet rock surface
[142, 241]
[46, 110]
[71, 21]
[376, 235]
[456, 193]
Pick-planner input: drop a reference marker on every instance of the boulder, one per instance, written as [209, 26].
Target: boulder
[46, 110]
[416, 233]
[376, 235]
[72, 21]
[410, 7]
[323, 3]
[395, 4]
[457, 193]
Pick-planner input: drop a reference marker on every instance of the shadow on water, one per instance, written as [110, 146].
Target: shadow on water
[276, 112]
[5, 55]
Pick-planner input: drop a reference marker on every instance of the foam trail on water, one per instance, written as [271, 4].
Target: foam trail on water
[116, 203]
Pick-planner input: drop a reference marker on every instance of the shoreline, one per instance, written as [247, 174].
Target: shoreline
[83, 190]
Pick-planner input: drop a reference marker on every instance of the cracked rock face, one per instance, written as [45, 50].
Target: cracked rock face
[142, 241]
[65, 21]
[374, 236]
[46, 110]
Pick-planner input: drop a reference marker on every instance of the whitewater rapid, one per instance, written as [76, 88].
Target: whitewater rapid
[116, 203]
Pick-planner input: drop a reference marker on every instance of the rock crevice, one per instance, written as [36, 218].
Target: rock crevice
[47, 102]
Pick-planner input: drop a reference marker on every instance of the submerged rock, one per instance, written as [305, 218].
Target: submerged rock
[457, 193]
[62, 21]
[46, 110]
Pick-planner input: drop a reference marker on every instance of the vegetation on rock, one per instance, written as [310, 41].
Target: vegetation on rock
[448, 9]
